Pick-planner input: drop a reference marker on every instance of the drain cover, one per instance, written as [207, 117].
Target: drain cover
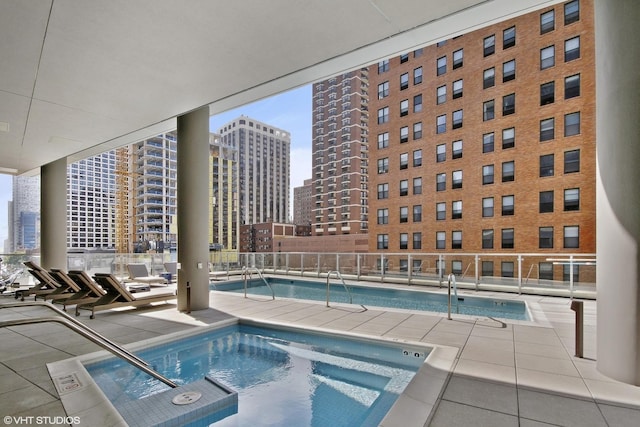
[186, 398]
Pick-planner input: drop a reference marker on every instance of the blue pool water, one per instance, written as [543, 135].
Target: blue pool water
[283, 377]
[381, 297]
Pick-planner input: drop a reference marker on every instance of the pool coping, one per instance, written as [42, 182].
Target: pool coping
[85, 400]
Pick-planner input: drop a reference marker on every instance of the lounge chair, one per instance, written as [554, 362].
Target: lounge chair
[116, 295]
[82, 293]
[172, 269]
[46, 285]
[139, 273]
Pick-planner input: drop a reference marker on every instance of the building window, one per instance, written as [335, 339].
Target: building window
[441, 182]
[487, 207]
[572, 49]
[487, 174]
[383, 191]
[457, 150]
[547, 93]
[456, 209]
[404, 81]
[489, 45]
[508, 104]
[441, 124]
[487, 243]
[404, 58]
[572, 86]
[383, 115]
[508, 171]
[417, 103]
[572, 161]
[417, 241]
[404, 134]
[547, 21]
[547, 129]
[506, 269]
[417, 158]
[441, 94]
[545, 237]
[487, 268]
[383, 90]
[488, 110]
[568, 272]
[441, 240]
[509, 37]
[417, 185]
[383, 165]
[507, 238]
[404, 160]
[404, 107]
[457, 119]
[417, 76]
[404, 214]
[572, 124]
[457, 179]
[457, 89]
[571, 12]
[383, 140]
[404, 240]
[547, 57]
[457, 59]
[383, 241]
[572, 199]
[417, 213]
[489, 78]
[546, 165]
[404, 187]
[509, 70]
[441, 66]
[456, 239]
[487, 142]
[441, 211]
[545, 271]
[546, 201]
[383, 66]
[508, 138]
[572, 236]
[441, 153]
[417, 130]
[508, 206]
[383, 216]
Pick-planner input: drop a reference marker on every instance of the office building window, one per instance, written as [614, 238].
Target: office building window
[489, 45]
[383, 241]
[417, 130]
[546, 165]
[383, 216]
[404, 240]
[509, 37]
[487, 174]
[383, 140]
[456, 179]
[404, 134]
[572, 161]
[404, 187]
[383, 165]
[457, 59]
[457, 89]
[417, 103]
[546, 201]
[383, 115]
[441, 182]
[456, 239]
[572, 124]
[572, 86]
[441, 65]
[571, 236]
[508, 104]
[404, 81]
[383, 191]
[417, 75]
[456, 209]
[547, 21]
[441, 124]
[441, 153]
[441, 94]
[547, 57]
[404, 107]
[487, 207]
[417, 158]
[441, 211]
[506, 268]
[571, 12]
[507, 238]
[572, 49]
[404, 214]
[488, 110]
[547, 129]
[441, 240]
[383, 90]
[417, 185]
[508, 138]
[417, 213]
[489, 78]
[457, 119]
[487, 243]
[509, 70]
[508, 207]
[572, 199]
[404, 58]
[457, 150]
[508, 171]
[417, 241]
[383, 66]
[404, 160]
[547, 93]
[487, 142]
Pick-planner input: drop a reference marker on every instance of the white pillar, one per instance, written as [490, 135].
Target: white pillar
[53, 218]
[193, 208]
[617, 194]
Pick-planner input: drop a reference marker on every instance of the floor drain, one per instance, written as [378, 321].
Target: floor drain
[186, 398]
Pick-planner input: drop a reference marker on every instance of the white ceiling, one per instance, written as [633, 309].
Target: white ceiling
[78, 77]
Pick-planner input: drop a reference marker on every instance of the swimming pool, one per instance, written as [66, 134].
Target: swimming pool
[283, 377]
[380, 297]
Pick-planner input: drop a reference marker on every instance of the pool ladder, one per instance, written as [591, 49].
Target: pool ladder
[246, 272]
[346, 288]
[87, 333]
[452, 279]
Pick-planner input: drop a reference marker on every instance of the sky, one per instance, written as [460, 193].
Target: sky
[289, 111]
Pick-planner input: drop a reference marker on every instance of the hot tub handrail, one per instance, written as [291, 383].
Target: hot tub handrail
[346, 288]
[115, 350]
[246, 271]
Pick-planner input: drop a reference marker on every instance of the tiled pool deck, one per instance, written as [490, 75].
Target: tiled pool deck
[523, 374]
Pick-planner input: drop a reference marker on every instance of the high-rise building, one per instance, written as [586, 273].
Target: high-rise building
[340, 154]
[263, 169]
[223, 174]
[485, 142]
[303, 203]
[24, 214]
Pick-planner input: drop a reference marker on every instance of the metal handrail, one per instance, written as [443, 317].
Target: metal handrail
[115, 350]
[452, 278]
[245, 271]
[343, 284]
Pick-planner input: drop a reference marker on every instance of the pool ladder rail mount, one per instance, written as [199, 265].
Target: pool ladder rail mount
[346, 288]
[246, 271]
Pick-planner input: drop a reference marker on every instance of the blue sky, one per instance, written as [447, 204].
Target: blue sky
[289, 111]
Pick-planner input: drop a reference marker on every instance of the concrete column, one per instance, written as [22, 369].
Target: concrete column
[617, 195]
[193, 208]
[53, 218]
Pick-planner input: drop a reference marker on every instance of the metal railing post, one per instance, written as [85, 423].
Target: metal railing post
[519, 274]
[578, 307]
